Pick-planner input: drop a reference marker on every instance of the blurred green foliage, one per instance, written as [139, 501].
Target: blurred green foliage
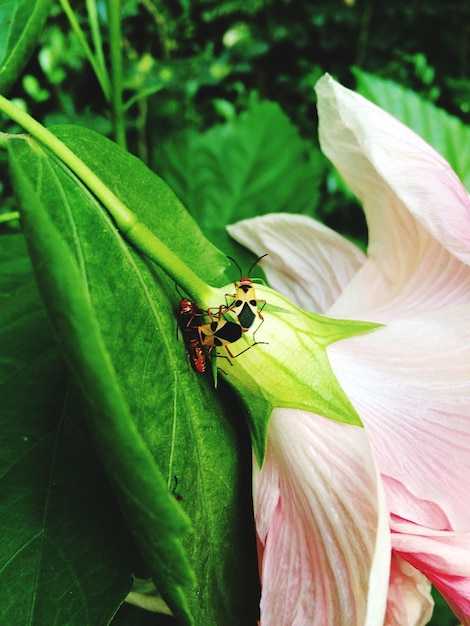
[192, 64]
[197, 63]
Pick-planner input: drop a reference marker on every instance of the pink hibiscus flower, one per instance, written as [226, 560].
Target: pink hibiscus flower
[354, 522]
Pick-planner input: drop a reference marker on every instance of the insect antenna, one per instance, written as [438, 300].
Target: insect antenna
[236, 264]
[256, 262]
[251, 267]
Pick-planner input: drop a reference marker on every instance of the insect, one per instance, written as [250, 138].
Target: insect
[190, 318]
[245, 304]
[219, 332]
[202, 337]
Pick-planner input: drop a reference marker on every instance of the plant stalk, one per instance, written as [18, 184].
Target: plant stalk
[115, 37]
[126, 220]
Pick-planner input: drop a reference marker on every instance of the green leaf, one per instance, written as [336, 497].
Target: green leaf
[445, 133]
[149, 197]
[62, 535]
[21, 23]
[114, 315]
[152, 514]
[253, 165]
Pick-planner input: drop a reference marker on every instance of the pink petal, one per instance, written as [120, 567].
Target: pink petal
[432, 280]
[322, 525]
[409, 599]
[307, 262]
[409, 383]
[394, 173]
[418, 213]
[442, 556]
[405, 504]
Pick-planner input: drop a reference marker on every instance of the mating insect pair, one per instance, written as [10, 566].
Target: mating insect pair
[202, 336]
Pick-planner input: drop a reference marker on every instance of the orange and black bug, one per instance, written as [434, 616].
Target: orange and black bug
[245, 304]
[190, 318]
[219, 332]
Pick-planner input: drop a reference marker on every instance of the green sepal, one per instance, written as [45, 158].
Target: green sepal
[289, 366]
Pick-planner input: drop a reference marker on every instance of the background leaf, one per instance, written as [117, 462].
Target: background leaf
[442, 616]
[129, 305]
[62, 534]
[254, 164]
[21, 23]
[446, 134]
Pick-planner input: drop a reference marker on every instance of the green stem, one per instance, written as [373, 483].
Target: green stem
[100, 71]
[115, 37]
[127, 221]
[95, 31]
